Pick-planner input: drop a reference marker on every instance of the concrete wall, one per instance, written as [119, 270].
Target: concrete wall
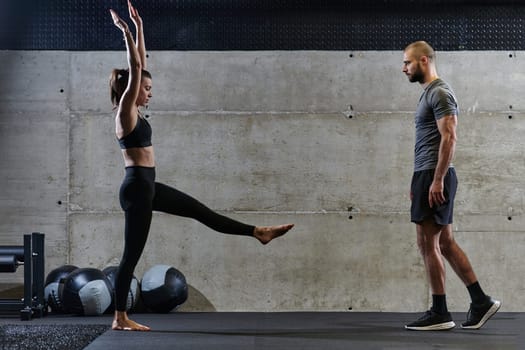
[320, 139]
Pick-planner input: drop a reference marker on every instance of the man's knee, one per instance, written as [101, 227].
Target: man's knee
[447, 244]
[428, 237]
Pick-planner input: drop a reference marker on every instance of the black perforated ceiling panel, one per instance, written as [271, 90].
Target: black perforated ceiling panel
[266, 24]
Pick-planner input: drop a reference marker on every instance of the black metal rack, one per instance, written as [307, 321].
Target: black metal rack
[31, 255]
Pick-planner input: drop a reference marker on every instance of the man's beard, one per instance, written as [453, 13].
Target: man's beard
[417, 76]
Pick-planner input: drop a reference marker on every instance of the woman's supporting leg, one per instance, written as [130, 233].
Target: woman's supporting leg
[136, 195]
[136, 234]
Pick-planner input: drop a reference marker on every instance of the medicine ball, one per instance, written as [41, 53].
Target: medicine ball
[86, 291]
[134, 289]
[51, 290]
[163, 288]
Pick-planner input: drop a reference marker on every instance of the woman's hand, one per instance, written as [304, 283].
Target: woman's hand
[135, 17]
[119, 22]
[137, 20]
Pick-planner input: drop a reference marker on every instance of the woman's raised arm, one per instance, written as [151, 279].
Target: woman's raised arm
[127, 110]
[141, 45]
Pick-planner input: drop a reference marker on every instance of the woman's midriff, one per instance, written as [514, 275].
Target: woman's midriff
[139, 156]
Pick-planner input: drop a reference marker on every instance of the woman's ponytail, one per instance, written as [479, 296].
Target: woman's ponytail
[118, 81]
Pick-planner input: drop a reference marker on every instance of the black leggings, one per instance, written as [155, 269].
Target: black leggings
[139, 196]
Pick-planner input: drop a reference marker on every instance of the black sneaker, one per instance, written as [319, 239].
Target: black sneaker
[479, 314]
[432, 321]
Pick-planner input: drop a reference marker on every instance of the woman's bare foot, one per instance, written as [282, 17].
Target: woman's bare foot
[121, 322]
[266, 233]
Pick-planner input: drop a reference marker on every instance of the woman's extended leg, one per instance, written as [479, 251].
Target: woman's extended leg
[172, 201]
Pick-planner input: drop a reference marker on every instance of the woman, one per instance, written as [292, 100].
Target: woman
[139, 193]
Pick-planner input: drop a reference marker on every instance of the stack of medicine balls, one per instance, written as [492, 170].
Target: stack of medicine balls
[91, 292]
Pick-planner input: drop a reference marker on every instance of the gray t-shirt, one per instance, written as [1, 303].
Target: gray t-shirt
[436, 101]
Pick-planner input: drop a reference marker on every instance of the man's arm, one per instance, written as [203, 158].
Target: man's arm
[447, 128]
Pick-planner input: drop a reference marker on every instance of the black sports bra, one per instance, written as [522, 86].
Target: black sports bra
[140, 136]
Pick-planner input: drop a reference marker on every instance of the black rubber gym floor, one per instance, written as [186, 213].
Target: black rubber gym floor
[290, 330]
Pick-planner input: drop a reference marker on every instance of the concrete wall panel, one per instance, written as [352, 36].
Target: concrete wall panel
[312, 138]
[33, 166]
[304, 81]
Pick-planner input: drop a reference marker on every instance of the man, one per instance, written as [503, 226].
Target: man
[432, 193]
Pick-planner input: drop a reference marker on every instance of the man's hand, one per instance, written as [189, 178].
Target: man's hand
[435, 194]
